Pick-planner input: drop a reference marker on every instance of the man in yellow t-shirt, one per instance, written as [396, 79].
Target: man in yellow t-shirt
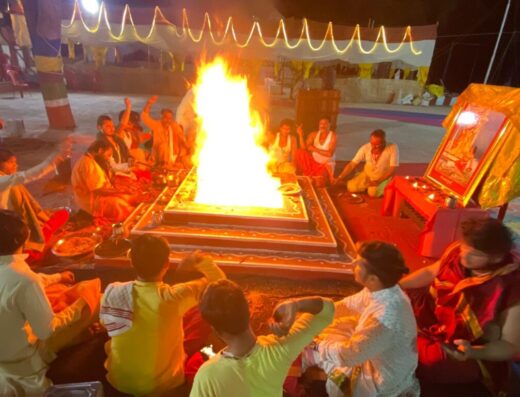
[252, 366]
[148, 350]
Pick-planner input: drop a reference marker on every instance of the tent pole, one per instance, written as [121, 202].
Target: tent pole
[506, 12]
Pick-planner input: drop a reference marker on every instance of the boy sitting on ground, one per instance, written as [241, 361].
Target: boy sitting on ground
[150, 347]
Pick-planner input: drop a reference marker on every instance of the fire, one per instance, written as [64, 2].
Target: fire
[231, 165]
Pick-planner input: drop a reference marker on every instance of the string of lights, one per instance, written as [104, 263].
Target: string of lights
[230, 36]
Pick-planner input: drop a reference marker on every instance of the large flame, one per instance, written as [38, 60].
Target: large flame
[231, 165]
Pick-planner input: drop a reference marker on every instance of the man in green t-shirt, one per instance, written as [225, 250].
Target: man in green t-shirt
[252, 366]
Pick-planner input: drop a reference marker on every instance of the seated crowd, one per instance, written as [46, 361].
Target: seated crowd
[466, 306]
[455, 321]
[125, 153]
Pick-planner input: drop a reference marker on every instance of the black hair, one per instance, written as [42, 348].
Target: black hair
[149, 255]
[97, 145]
[101, 119]
[379, 133]
[13, 232]
[488, 235]
[384, 260]
[166, 110]
[224, 306]
[133, 118]
[288, 122]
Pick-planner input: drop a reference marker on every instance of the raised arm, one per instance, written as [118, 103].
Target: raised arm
[126, 116]
[145, 114]
[187, 295]
[420, 278]
[316, 314]
[301, 140]
[32, 174]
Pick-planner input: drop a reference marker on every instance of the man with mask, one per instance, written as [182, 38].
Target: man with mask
[467, 306]
[381, 160]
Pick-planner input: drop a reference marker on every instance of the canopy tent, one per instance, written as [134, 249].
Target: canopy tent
[270, 38]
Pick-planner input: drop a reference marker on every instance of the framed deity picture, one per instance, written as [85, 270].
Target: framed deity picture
[467, 150]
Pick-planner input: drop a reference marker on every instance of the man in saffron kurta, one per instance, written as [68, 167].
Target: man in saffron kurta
[469, 316]
[93, 190]
[169, 147]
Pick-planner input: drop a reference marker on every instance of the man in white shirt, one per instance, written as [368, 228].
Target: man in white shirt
[30, 332]
[381, 160]
[14, 196]
[370, 349]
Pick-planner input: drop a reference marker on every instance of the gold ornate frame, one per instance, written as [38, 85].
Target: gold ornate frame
[446, 182]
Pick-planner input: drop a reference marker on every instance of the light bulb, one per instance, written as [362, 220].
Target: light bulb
[91, 6]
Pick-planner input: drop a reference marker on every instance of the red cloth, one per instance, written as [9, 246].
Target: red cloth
[442, 224]
[485, 296]
[291, 385]
[435, 367]
[145, 175]
[306, 165]
[56, 221]
[460, 307]
[196, 334]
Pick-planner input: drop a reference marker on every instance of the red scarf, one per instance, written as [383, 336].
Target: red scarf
[465, 305]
